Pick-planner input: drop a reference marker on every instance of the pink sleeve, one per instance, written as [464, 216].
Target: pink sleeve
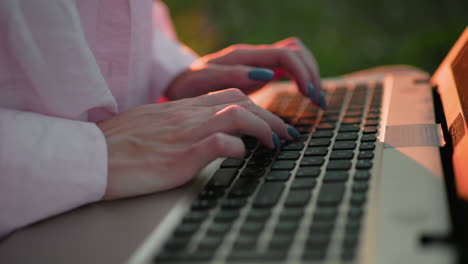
[170, 57]
[48, 165]
[51, 159]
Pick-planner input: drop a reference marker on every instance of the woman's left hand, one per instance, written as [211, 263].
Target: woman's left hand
[249, 68]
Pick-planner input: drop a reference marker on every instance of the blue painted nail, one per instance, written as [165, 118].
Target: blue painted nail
[293, 132]
[323, 101]
[312, 92]
[276, 140]
[261, 74]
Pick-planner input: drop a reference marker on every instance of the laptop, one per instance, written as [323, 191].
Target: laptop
[379, 177]
[370, 180]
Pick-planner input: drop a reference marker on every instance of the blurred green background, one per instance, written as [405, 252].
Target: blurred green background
[344, 36]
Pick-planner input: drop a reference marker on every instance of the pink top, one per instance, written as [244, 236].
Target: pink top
[65, 64]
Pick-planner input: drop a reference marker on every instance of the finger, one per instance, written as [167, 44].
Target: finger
[308, 59]
[219, 77]
[234, 120]
[276, 123]
[273, 57]
[214, 146]
[227, 96]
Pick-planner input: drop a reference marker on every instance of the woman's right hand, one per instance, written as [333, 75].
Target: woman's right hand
[160, 146]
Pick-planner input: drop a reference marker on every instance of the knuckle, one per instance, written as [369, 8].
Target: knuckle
[234, 74]
[249, 105]
[235, 113]
[218, 142]
[235, 93]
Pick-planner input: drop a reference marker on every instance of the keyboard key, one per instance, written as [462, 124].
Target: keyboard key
[366, 155]
[331, 194]
[349, 128]
[269, 194]
[336, 176]
[322, 134]
[303, 183]
[339, 165]
[245, 242]
[358, 199]
[312, 161]
[253, 172]
[370, 130]
[347, 136]
[342, 154]
[288, 155]
[287, 227]
[325, 214]
[232, 163]
[283, 165]
[362, 175]
[278, 175]
[195, 216]
[223, 177]
[372, 122]
[259, 163]
[364, 164]
[351, 121]
[176, 244]
[291, 214]
[211, 194]
[258, 215]
[321, 227]
[367, 146]
[297, 145]
[312, 172]
[342, 145]
[352, 227]
[226, 215]
[350, 240]
[281, 242]
[325, 126]
[368, 138]
[355, 212]
[203, 204]
[234, 203]
[316, 151]
[252, 227]
[243, 187]
[374, 116]
[255, 256]
[186, 229]
[348, 254]
[314, 254]
[360, 186]
[319, 142]
[210, 243]
[297, 198]
[319, 241]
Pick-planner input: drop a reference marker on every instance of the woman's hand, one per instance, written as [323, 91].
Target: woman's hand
[250, 67]
[160, 146]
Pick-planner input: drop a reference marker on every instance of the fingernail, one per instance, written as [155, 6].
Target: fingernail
[261, 74]
[323, 101]
[293, 132]
[276, 140]
[246, 153]
[312, 92]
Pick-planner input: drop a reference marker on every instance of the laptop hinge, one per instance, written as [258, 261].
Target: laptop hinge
[457, 207]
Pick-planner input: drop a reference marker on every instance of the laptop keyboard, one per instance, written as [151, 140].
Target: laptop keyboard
[302, 203]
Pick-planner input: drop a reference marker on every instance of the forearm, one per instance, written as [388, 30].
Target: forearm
[48, 166]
